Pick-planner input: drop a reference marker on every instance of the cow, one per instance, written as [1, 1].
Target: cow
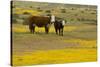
[59, 26]
[41, 21]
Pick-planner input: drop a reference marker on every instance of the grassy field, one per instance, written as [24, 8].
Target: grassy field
[77, 45]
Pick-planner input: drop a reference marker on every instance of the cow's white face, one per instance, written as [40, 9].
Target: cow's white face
[52, 18]
[63, 22]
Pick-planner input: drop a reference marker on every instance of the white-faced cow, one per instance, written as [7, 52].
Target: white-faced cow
[59, 26]
[40, 21]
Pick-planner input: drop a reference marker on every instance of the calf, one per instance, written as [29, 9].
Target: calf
[59, 26]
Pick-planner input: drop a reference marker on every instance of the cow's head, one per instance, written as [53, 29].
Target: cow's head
[52, 18]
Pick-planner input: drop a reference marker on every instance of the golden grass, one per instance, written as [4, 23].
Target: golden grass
[23, 28]
[82, 42]
[55, 56]
[70, 28]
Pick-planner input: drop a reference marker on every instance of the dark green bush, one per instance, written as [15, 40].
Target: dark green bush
[26, 13]
[63, 10]
[48, 11]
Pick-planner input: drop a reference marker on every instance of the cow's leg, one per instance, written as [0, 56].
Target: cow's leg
[33, 29]
[47, 28]
[56, 30]
[30, 28]
[59, 31]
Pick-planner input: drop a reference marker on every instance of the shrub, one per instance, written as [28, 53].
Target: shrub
[78, 19]
[40, 10]
[48, 11]
[72, 9]
[26, 13]
[82, 11]
[30, 6]
[93, 13]
[63, 10]
[72, 19]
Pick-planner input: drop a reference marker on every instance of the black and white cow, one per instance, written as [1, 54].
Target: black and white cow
[59, 26]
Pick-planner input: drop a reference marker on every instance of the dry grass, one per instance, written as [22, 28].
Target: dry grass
[39, 48]
[21, 11]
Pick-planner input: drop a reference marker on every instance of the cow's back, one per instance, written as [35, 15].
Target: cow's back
[39, 20]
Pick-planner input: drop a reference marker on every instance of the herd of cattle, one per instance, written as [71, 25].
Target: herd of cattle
[46, 21]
